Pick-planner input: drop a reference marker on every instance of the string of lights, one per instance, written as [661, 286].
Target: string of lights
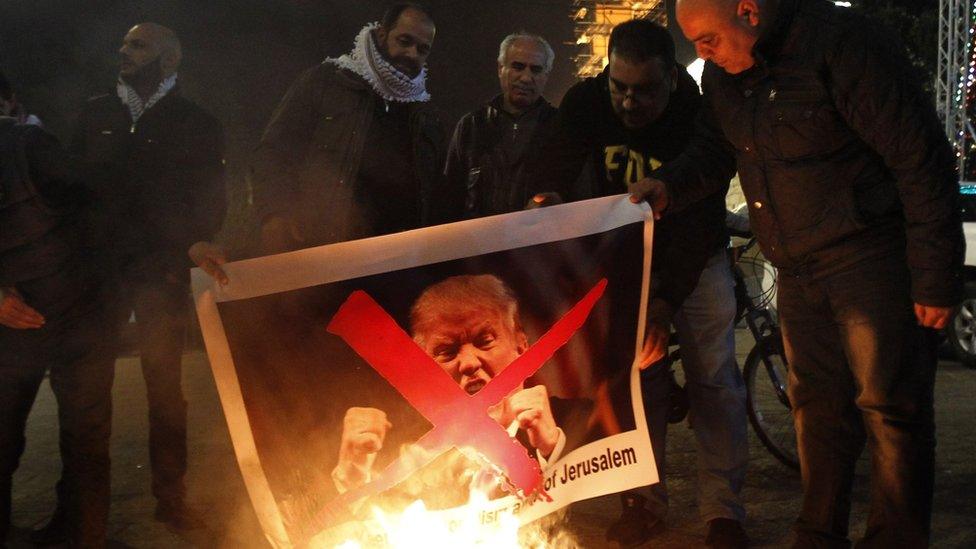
[956, 76]
[966, 96]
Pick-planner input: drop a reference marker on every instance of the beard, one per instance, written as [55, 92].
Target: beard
[146, 76]
[405, 65]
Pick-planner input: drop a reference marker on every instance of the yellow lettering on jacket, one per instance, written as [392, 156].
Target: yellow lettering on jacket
[637, 166]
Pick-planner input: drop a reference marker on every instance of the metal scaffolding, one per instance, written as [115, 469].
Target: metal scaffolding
[956, 74]
[595, 20]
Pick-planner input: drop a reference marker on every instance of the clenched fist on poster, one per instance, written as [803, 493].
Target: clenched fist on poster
[530, 409]
[363, 432]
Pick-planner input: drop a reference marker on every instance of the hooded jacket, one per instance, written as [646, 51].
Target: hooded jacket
[590, 135]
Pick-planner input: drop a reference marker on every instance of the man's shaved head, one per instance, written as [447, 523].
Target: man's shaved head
[702, 4]
[724, 31]
[148, 43]
[165, 37]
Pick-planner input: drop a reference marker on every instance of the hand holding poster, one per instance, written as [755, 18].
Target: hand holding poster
[493, 356]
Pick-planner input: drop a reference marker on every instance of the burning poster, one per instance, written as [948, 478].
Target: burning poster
[483, 370]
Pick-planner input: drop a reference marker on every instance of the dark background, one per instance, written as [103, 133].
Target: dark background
[241, 55]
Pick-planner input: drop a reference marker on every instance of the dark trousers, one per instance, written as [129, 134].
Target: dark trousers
[161, 308]
[861, 369]
[74, 347]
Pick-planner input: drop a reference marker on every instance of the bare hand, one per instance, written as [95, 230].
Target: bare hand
[363, 432]
[16, 314]
[209, 257]
[543, 199]
[653, 191]
[279, 234]
[932, 317]
[531, 409]
[655, 347]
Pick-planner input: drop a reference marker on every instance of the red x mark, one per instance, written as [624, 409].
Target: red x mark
[460, 420]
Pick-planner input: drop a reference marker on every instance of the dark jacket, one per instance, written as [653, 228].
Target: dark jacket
[487, 157]
[37, 206]
[840, 155]
[589, 133]
[307, 163]
[159, 182]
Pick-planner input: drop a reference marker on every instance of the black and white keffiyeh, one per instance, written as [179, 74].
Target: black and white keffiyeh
[135, 103]
[391, 84]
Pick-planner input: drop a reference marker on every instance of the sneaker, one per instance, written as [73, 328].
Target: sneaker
[725, 533]
[178, 516]
[52, 533]
[637, 524]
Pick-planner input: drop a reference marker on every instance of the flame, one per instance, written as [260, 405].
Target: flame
[470, 510]
[481, 523]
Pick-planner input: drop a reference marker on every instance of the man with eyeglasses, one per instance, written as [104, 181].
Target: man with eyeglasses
[623, 124]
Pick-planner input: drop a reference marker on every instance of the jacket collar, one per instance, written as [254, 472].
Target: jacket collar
[771, 41]
[496, 108]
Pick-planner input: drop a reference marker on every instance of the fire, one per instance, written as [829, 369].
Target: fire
[469, 508]
[418, 527]
[481, 523]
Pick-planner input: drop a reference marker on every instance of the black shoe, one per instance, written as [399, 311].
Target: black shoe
[725, 533]
[52, 533]
[178, 516]
[636, 524]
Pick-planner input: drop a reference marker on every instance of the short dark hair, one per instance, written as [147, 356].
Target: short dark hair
[392, 15]
[6, 90]
[640, 39]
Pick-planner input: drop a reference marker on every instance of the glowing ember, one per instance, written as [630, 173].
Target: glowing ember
[482, 523]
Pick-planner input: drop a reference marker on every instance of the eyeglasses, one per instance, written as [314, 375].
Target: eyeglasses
[643, 94]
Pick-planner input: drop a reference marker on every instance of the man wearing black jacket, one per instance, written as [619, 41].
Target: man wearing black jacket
[628, 120]
[53, 320]
[155, 160]
[492, 145]
[355, 148]
[852, 194]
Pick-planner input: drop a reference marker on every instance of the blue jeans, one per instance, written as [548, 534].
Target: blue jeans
[716, 393]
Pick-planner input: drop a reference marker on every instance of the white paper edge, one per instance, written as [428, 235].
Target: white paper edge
[334, 262]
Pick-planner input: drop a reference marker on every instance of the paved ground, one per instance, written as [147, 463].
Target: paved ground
[216, 487]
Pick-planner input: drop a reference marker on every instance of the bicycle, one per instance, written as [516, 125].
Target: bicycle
[767, 403]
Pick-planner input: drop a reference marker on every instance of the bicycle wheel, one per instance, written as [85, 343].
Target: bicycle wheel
[767, 403]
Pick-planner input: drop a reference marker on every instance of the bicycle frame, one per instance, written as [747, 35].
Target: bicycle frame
[760, 322]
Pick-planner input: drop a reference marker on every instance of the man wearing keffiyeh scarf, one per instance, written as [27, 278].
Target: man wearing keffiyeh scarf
[153, 160]
[353, 150]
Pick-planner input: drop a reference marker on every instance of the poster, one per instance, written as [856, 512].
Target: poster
[489, 359]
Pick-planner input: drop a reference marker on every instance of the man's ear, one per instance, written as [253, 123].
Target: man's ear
[748, 12]
[169, 62]
[381, 34]
[523, 342]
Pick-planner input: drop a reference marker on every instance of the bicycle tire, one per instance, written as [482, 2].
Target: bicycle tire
[771, 419]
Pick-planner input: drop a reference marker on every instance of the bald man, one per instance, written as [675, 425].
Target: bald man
[156, 161]
[852, 194]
